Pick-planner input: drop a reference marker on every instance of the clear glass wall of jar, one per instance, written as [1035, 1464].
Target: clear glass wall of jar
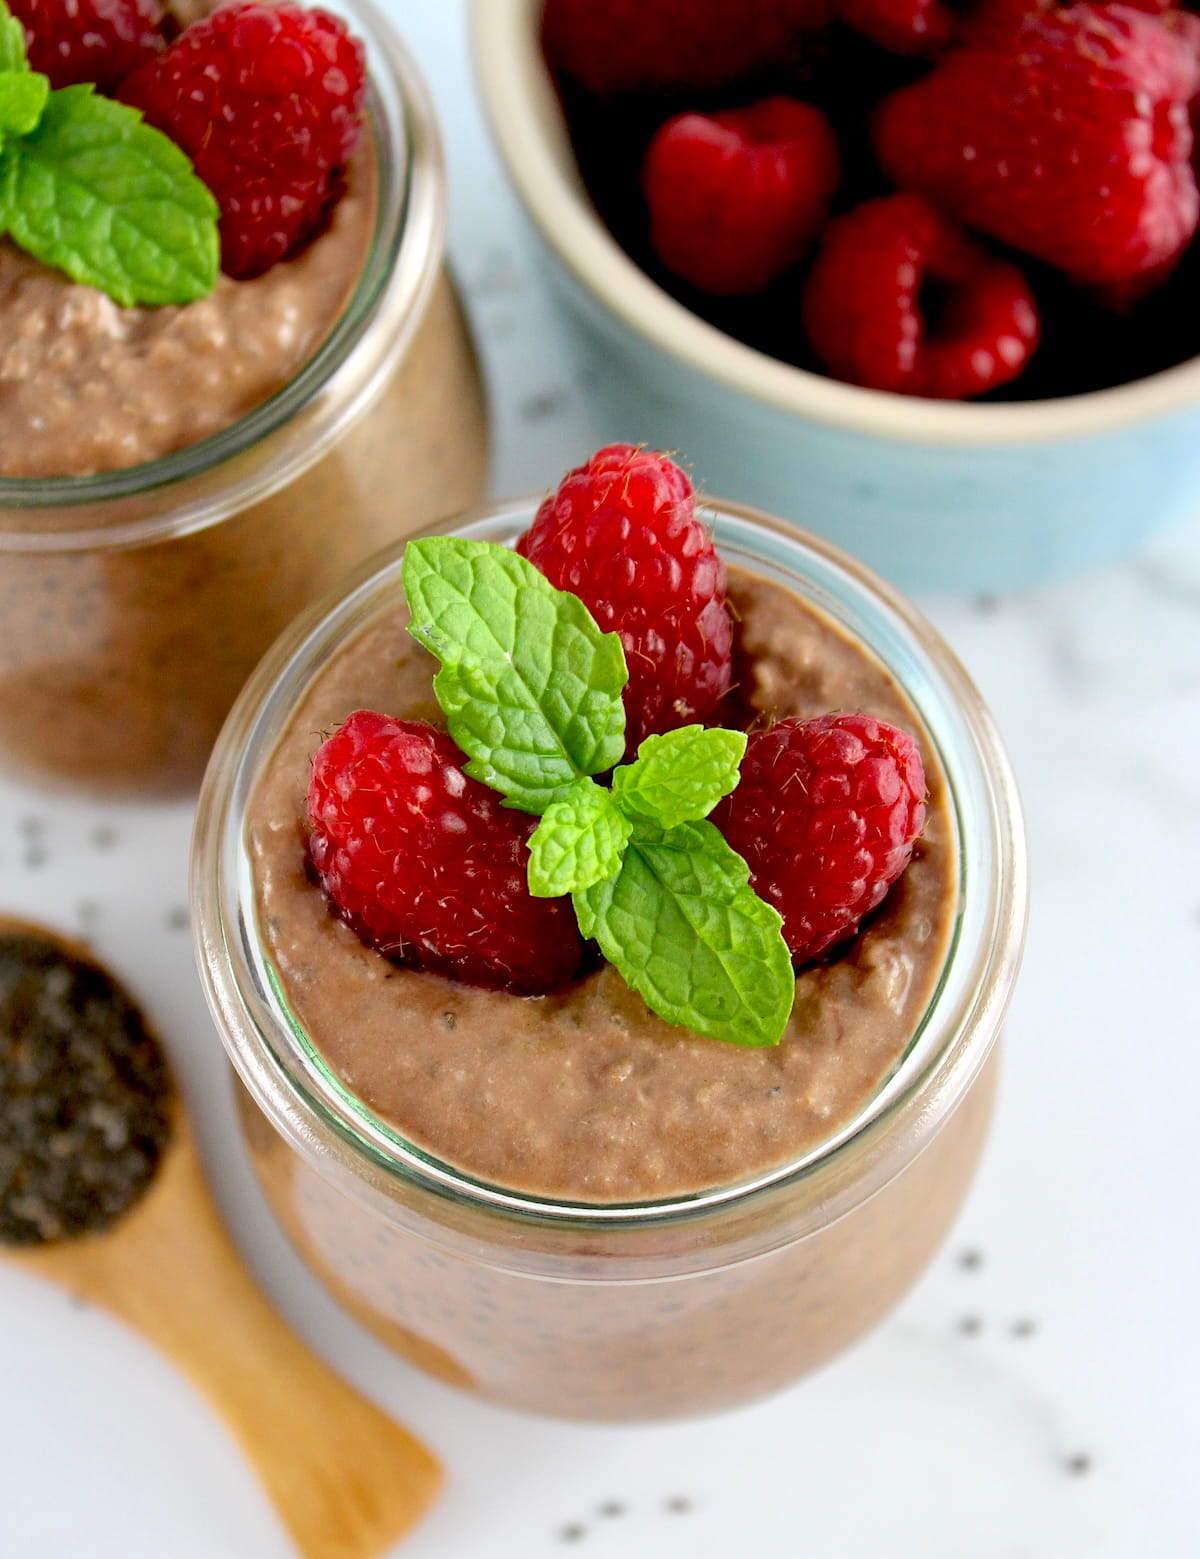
[643, 1310]
[133, 604]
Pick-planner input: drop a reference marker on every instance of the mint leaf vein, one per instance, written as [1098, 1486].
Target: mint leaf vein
[530, 686]
[684, 928]
[579, 841]
[110, 201]
[679, 777]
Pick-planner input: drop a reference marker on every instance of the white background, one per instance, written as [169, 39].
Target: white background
[1037, 1395]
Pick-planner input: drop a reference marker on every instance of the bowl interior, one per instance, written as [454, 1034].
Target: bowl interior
[530, 130]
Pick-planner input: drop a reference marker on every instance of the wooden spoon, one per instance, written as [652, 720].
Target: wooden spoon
[346, 1480]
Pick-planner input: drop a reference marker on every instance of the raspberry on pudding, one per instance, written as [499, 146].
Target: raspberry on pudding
[427, 866]
[401, 889]
[102, 41]
[826, 814]
[622, 534]
[268, 102]
[422, 861]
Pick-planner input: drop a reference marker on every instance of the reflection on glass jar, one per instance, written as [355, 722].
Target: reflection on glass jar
[535, 1291]
[134, 602]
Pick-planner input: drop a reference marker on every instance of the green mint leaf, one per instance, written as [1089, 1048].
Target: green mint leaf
[23, 95]
[110, 201]
[679, 777]
[684, 928]
[530, 687]
[579, 841]
[12, 41]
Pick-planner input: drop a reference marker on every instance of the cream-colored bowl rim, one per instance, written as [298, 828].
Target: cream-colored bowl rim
[527, 125]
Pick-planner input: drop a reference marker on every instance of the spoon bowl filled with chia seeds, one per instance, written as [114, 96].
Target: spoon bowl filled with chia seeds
[102, 1191]
[87, 1099]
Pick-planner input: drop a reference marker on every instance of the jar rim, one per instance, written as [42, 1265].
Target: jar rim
[40, 513]
[301, 1095]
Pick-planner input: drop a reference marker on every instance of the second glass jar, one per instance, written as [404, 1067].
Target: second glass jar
[133, 604]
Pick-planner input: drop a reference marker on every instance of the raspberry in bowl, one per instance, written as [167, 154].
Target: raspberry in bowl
[200, 433]
[546, 1142]
[722, 291]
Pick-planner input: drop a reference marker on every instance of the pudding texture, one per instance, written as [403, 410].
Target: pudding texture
[87, 386]
[118, 664]
[585, 1096]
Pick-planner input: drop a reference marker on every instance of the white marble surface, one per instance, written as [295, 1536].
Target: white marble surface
[1038, 1395]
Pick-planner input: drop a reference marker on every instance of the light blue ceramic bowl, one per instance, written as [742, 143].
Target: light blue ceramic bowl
[935, 495]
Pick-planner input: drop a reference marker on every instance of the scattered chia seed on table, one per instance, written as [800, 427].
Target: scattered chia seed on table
[84, 1094]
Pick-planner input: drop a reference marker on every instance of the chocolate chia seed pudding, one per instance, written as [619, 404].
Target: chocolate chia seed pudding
[641, 1109]
[563, 1202]
[176, 483]
[87, 386]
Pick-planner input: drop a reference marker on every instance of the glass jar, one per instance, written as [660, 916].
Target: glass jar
[657, 1308]
[133, 604]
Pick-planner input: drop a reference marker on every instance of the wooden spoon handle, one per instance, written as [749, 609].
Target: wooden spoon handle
[347, 1481]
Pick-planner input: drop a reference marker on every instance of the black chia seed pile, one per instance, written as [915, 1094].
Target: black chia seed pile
[84, 1094]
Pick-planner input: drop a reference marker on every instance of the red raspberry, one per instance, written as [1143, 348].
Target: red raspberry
[267, 101]
[996, 21]
[736, 197]
[621, 533]
[427, 865]
[649, 45]
[90, 40]
[1065, 134]
[901, 26]
[864, 313]
[825, 815]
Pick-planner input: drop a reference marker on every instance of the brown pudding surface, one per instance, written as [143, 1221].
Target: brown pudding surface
[585, 1095]
[87, 386]
[119, 664]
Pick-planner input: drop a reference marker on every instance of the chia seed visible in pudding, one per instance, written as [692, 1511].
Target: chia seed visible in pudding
[87, 386]
[585, 1095]
[119, 661]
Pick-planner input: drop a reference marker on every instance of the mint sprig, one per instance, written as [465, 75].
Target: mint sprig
[580, 841]
[688, 933]
[23, 95]
[531, 689]
[530, 686]
[12, 41]
[87, 186]
[680, 776]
